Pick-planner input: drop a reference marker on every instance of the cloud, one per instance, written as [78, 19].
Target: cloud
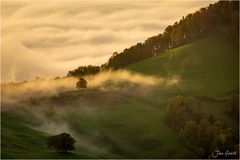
[49, 38]
[120, 80]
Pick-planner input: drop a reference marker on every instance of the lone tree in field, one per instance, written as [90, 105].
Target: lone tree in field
[61, 143]
[81, 84]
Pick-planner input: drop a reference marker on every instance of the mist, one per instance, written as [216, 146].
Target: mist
[37, 97]
[65, 35]
[54, 106]
[121, 80]
[46, 103]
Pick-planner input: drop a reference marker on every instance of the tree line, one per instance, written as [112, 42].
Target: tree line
[201, 132]
[221, 18]
[84, 71]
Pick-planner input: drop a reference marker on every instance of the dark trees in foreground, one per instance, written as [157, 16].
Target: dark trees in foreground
[200, 132]
[61, 143]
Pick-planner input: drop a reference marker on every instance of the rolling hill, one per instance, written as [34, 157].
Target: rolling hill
[127, 125]
[207, 66]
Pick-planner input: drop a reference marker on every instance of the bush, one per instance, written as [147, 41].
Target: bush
[61, 143]
[183, 109]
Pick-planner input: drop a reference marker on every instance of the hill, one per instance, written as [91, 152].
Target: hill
[190, 62]
[207, 66]
[221, 18]
[119, 124]
[134, 127]
[21, 141]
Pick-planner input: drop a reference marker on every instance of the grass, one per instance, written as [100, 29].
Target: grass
[208, 66]
[112, 124]
[134, 130]
[218, 110]
[21, 141]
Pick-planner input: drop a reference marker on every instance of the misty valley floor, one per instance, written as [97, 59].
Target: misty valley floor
[135, 127]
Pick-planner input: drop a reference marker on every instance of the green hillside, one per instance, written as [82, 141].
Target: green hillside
[135, 127]
[120, 124]
[207, 66]
[20, 140]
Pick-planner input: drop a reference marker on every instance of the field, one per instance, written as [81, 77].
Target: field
[127, 120]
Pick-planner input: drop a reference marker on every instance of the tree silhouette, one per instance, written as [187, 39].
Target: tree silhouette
[61, 143]
[81, 84]
[83, 71]
[220, 18]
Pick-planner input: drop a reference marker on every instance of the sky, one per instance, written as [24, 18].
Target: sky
[47, 38]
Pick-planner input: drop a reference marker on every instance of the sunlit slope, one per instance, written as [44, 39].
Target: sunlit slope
[209, 65]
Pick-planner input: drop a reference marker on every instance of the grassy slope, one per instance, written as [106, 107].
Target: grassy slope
[136, 127]
[21, 141]
[208, 66]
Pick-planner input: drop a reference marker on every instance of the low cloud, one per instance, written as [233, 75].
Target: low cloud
[114, 81]
[49, 105]
[49, 38]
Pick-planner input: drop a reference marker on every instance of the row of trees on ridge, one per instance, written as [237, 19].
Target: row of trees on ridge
[221, 18]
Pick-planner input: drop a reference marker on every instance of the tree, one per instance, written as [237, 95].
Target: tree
[83, 71]
[182, 109]
[189, 133]
[81, 84]
[220, 18]
[62, 142]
